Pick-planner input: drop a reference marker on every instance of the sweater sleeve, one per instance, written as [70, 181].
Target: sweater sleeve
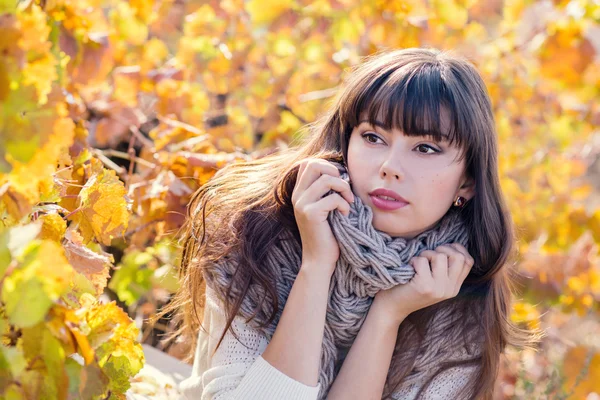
[237, 369]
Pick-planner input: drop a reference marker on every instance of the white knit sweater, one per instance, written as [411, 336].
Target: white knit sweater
[237, 371]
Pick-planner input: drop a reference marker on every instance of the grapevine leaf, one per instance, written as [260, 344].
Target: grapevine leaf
[103, 208]
[95, 267]
[131, 280]
[114, 336]
[40, 279]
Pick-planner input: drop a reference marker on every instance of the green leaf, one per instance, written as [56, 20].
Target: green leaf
[30, 290]
[5, 256]
[12, 359]
[20, 237]
[74, 371]
[120, 367]
[166, 278]
[26, 301]
[114, 336]
[8, 6]
[55, 378]
[132, 280]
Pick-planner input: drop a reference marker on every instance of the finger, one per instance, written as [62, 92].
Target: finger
[332, 202]
[456, 261]
[295, 192]
[456, 267]
[468, 258]
[469, 261]
[324, 184]
[313, 169]
[422, 268]
[467, 266]
[301, 168]
[438, 262]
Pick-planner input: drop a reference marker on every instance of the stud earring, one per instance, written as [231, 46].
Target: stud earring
[460, 202]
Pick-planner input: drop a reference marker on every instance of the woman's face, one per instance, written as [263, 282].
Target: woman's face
[423, 172]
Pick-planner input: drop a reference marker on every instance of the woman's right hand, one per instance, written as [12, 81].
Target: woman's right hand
[315, 178]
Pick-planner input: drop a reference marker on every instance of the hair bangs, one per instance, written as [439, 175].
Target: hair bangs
[416, 100]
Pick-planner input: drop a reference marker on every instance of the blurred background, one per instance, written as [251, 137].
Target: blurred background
[112, 113]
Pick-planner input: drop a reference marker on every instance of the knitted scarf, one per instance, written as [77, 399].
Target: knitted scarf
[370, 261]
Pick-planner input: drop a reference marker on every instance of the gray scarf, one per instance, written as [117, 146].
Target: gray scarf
[370, 261]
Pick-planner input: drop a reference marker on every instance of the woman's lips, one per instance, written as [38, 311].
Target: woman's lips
[387, 205]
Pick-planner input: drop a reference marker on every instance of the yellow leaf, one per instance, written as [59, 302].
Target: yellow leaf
[377, 33]
[219, 65]
[14, 204]
[155, 52]
[43, 275]
[35, 30]
[103, 208]
[204, 22]
[565, 57]
[594, 277]
[114, 337]
[41, 73]
[11, 53]
[8, 6]
[266, 11]
[581, 365]
[53, 227]
[126, 83]
[566, 299]
[283, 46]
[345, 31]
[143, 9]
[131, 28]
[576, 284]
[512, 9]
[451, 13]
[587, 300]
[35, 176]
[581, 192]
[23, 124]
[525, 313]
[215, 84]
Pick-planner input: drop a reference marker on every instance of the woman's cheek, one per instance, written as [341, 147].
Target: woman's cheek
[445, 185]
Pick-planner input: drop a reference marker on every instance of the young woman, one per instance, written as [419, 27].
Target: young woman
[368, 262]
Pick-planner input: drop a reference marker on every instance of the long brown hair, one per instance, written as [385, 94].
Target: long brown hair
[245, 206]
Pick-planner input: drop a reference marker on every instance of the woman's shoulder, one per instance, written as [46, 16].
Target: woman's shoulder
[249, 341]
[212, 302]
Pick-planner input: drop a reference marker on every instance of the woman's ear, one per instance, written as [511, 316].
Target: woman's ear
[467, 189]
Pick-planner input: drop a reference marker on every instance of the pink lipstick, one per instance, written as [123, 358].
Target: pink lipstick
[387, 200]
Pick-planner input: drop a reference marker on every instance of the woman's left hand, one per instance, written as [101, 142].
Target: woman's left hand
[439, 274]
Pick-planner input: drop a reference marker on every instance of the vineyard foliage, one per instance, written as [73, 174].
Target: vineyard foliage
[113, 112]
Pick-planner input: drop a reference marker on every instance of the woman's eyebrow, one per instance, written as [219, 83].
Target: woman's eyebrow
[376, 123]
[381, 125]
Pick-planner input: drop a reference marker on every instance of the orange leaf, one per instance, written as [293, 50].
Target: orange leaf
[103, 207]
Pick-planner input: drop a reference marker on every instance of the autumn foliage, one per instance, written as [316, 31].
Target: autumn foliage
[113, 112]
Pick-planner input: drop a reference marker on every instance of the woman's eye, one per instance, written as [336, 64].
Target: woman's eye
[427, 147]
[370, 135]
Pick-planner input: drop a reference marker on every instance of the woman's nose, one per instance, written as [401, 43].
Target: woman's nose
[392, 170]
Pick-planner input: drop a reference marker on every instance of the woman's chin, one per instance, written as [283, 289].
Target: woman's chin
[381, 227]
[385, 228]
